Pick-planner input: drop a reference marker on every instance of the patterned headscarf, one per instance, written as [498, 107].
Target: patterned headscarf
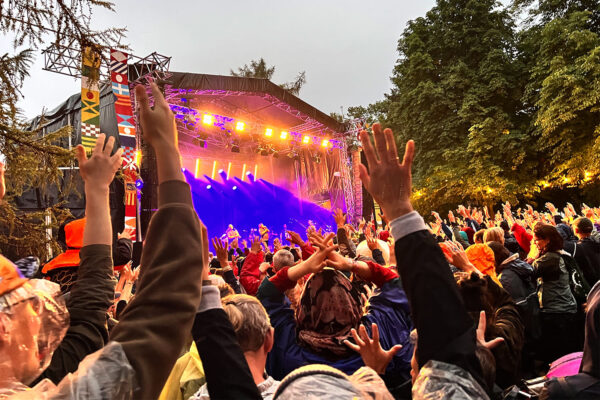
[329, 308]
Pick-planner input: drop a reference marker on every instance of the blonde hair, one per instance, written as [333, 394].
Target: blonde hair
[249, 319]
[495, 234]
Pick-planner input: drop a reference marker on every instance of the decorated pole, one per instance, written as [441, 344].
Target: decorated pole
[127, 136]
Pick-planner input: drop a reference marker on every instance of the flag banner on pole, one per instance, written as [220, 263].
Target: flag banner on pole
[90, 97]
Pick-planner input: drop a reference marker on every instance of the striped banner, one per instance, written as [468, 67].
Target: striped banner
[90, 98]
[127, 137]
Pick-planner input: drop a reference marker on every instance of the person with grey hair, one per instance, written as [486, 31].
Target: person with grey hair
[283, 258]
[254, 335]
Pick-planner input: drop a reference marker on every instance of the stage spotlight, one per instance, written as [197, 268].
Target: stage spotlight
[234, 188]
[208, 187]
[139, 183]
[197, 169]
[306, 140]
[240, 126]
[268, 132]
[283, 135]
[207, 119]
[324, 143]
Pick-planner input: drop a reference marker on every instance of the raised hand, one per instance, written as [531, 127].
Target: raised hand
[438, 219]
[458, 257]
[126, 234]
[551, 208]
[340, 217]
[295, 238]
[221, 249]
[159, 129]
[480, 333]
[255, 246]
[370, 349]
[99, 170]
[316, 262]
[373, 243]
[158, 123]
[451, 217]
[387, 180]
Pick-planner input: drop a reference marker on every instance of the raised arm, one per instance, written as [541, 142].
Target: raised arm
[93, 292]
[445, 331]
[155, 325]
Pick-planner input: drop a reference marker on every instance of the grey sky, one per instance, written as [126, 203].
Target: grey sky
[346, 47]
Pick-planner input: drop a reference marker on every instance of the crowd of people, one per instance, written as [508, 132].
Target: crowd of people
[467, 307]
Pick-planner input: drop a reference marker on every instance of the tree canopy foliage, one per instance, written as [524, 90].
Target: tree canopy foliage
[32, 157]
[260, 69]
[502, 101]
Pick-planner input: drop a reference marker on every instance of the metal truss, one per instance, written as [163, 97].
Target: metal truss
[66, 60]
[347, 184]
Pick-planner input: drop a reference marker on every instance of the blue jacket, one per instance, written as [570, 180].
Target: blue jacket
[388, 309]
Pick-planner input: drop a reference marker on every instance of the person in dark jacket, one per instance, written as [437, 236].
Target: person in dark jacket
[568, 237]
[480, 292]
[518, 279]
[558, 304]
[446, 334]
[586, 384]
[587, 251]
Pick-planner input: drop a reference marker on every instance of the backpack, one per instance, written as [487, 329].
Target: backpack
[579, 286]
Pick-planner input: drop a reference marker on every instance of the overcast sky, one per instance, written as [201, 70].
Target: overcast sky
[346, 47]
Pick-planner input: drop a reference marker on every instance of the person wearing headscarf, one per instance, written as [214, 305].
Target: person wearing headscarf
[329, 308]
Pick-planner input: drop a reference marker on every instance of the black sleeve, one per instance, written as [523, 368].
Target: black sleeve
[445, 331]
[122, 251]
[230, 278]
[378, 257]
[222, 357]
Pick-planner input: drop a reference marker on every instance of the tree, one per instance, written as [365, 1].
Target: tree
[456, 91]
[33, 158]
[260, 69]
[562, 90]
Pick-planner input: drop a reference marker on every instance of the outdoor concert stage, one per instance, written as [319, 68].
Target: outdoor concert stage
[254, 154]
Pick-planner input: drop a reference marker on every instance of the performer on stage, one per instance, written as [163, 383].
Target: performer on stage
[232, 233]
[264, 233]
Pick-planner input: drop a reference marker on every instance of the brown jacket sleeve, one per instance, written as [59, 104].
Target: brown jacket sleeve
[90, 297]
[156, 323]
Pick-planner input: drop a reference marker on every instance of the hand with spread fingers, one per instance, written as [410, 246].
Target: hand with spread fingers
[373, 355]
[221, 251]
[480, 333]
[386, 179]
[99, 170]
[316, 262]
[340, 217]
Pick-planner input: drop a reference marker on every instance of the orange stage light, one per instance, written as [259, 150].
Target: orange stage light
[268, 132]
[325, 143]
[283, 135]
[197, 169]
[214, 170]
[207, 119]
[228, 169]
[240, 126]
[244, 171]
[306, 140]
